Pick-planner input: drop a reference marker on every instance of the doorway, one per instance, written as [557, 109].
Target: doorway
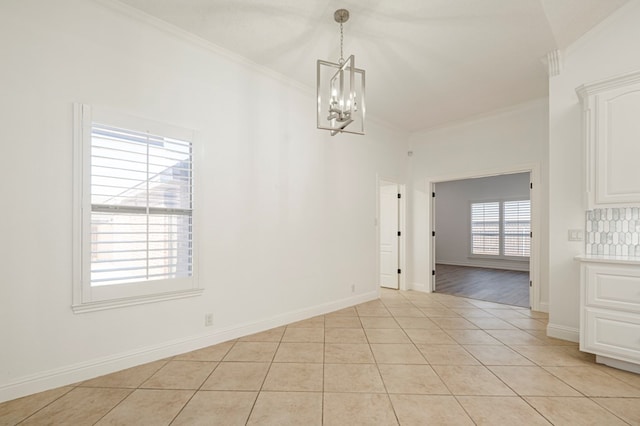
[390, 234]
[482, 238]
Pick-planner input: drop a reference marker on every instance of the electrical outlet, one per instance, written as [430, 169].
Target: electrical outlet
[353, 288]
[208, 320]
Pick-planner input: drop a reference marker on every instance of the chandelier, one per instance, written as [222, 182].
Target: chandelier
[341, 91]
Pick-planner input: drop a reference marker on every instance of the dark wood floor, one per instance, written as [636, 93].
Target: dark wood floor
[493, 285]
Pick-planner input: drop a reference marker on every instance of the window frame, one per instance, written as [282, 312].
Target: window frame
[501, 255]
[87, 298]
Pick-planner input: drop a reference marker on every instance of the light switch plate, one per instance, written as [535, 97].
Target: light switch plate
[576, 235]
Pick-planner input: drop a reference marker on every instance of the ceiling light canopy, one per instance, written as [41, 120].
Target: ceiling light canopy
[341, 87]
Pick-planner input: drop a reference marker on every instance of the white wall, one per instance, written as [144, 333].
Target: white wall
[609, 49]
[286, 211]
[453, 216]
[512, 140]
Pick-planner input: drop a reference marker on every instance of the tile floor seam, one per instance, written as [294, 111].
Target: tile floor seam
[44, 406]
[564, 381]
[253, 406]
[536, 410]
[115, 406]
[200, 387]
[384, 384]
[608, 409]
[466, 411]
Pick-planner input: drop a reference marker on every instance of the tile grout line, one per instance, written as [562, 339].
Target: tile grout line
[384, 385]
[255, 401]
[203, 382]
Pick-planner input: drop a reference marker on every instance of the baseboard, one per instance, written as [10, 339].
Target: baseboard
[97, 367]
[565, 333]
[496, 264]
[543, 307]
[420, 287]
[620, 365]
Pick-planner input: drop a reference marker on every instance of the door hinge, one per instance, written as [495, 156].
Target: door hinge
[433, 233]
[399, 271]
[530, 234]
[530, 283]
[531, 185]
[433, 195]
[399, 195]
[433, 272]
[399, 234]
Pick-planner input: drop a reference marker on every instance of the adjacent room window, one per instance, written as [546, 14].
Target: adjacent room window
[501, 228]
[136, 211]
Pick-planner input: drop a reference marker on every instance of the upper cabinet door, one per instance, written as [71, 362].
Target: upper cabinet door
[612, 141]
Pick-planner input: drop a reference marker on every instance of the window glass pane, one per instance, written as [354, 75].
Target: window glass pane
[141, 195]
[485, 228]
[517, 228]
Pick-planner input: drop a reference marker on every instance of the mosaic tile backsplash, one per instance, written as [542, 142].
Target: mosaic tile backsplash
[613, 231]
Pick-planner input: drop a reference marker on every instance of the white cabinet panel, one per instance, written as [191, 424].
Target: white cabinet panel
[612, 136]
[610, 311]
[616, 335]
[615, 287]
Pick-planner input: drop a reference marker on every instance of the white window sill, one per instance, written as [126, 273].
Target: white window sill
[509, 258]
[139, 300]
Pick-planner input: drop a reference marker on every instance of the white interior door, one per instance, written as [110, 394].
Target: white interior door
[389, 240]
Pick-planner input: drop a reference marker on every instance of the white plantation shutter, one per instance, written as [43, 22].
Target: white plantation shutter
[485, 228]
[141, 206]
[517, 228]
[133, 233]
[501, 228]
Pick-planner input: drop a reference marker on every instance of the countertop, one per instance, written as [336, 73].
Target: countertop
[625, 260]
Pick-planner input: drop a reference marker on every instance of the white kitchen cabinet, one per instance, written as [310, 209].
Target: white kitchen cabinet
[611, 126]
[610, 311]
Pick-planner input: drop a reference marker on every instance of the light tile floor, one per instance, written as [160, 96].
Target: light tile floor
[408, 358]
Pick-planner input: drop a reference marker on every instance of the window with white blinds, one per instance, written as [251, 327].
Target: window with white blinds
[485, 228]
[516, 226]
[501, 228]
[141, 206]
[134, 227]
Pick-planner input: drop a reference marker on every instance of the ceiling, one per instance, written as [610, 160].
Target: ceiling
[428, 62]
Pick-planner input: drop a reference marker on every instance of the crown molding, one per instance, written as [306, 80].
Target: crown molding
[179, 33]
[554, 62]
[607, 84]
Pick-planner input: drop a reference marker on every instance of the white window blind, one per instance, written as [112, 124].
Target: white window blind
[501, 228]
[485, 228]
[517, 228]
[141, 206]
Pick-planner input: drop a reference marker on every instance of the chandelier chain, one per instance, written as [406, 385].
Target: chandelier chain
[341, 40]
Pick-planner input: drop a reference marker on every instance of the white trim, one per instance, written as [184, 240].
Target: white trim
[181, 34]
[554, 62]
[88, 298]
[571, 334]
[535, 196]
[605, 84]
[97, 367]
[616, 363]
[132, 301]
[487, 115]
[420, 287]
[543, 307]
